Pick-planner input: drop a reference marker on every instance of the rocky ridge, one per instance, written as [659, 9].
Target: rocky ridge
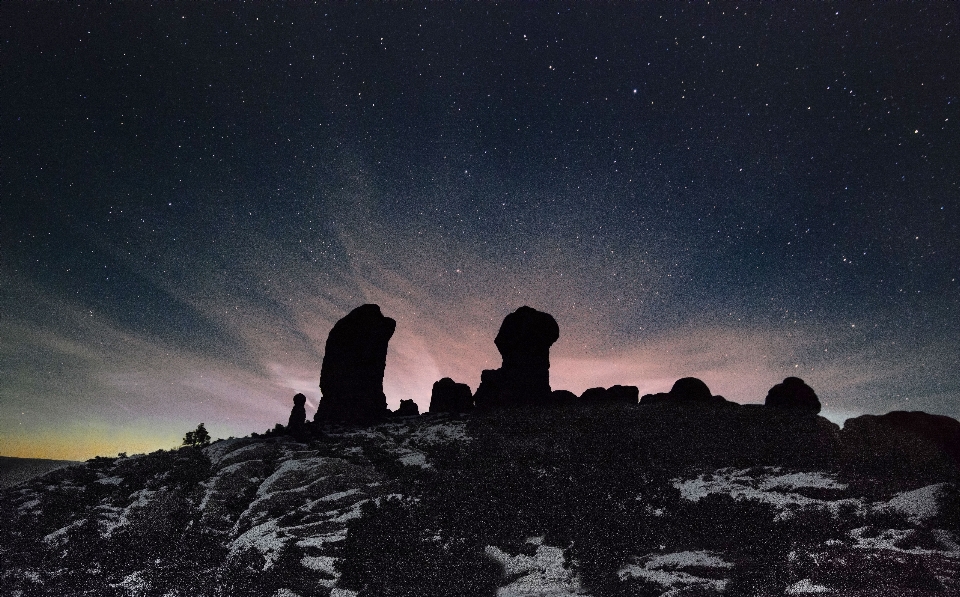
[604, 499]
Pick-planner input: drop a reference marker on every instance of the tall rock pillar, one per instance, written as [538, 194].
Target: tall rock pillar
[351, 377]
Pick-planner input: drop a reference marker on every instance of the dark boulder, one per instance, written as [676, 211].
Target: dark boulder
[913, 446]
[524, 342]
[407, 408]
[940, 430]
[351, 377]
[617, 393]
[657, 398]
[691, 389]
[298, 414]
[563, 397]
[687, 390]
[795, 395]
[449, 396]
[592, 395]
[624, 394]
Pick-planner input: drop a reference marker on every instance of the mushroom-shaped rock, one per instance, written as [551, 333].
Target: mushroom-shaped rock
[351, 377]
[449, 396]
[524, 342]
[686, 390]
[298, 414]
[795, 395]
[407, 408]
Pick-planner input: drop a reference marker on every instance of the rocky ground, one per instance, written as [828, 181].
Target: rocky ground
[603, 500]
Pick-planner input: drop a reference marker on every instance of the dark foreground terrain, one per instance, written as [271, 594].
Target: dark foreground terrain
[604, 500]
[14, 471]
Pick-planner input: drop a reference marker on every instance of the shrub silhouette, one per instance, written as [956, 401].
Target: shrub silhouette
[198, 438]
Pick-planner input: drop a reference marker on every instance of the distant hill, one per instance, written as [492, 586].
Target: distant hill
[603, 500]
[17, 470]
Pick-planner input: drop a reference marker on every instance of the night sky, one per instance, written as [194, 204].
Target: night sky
[192, 194]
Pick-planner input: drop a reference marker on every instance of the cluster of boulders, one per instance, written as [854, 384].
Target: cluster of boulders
[351, 376]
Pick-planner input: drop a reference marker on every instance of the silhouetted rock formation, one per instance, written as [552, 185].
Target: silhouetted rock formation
[685, 391]
[795, 395]
[618, 393]
[351, 377]
[524, 342]
[563, 397]
[449, 396]
[298, 414]
[591, 395]
[913, 446]
[626, 394]
[691, 388]
[407, 408]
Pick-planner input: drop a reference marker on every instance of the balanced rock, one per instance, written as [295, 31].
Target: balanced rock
[618, 393]
[686, 390]
[351, 377]
[407, 408]
[298, 414]
[449, 396]
[524, 342]
[795, 395]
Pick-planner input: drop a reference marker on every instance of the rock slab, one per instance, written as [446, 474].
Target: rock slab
[617, 393]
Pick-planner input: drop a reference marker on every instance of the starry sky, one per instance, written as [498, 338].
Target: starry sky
[192, 194]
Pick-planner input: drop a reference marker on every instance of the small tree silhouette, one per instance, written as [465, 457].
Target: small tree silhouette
[197, 438]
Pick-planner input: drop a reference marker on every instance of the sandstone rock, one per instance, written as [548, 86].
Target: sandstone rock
[692, 389]
[939, 430]
[298, 414]
[407, 408]
[625, 394]
[449, 396]
[687, 390]
[351, 377]
[563, 397]
[524, 342]
[795, 395]
[915, 446]
[617, 393]
[592, 395]
[655, 398]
